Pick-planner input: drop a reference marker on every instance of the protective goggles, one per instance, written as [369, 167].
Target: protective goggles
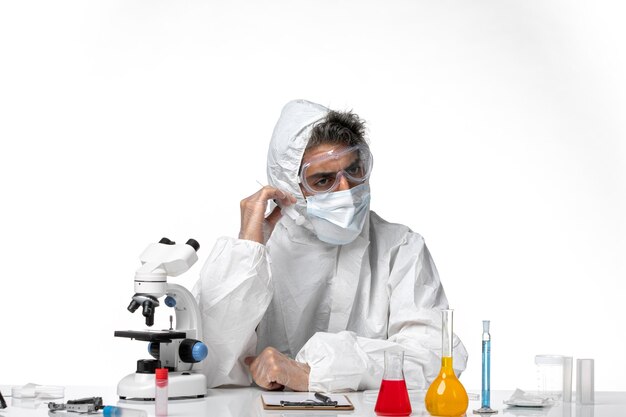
[323, 173]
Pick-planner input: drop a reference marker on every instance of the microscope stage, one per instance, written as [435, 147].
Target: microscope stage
[159, 336]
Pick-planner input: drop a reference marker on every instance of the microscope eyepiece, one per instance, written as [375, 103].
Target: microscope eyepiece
[194, 244]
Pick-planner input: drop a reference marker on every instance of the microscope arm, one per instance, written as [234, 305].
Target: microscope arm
[187, 310]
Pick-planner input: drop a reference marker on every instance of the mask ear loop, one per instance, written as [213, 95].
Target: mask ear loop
[293, 214]
[288, 210]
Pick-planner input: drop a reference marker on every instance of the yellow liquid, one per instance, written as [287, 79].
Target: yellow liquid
[446, 396]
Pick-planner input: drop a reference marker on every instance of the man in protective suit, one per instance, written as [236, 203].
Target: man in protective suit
[310, 297]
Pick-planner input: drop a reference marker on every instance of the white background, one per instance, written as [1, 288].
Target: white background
[497, 129]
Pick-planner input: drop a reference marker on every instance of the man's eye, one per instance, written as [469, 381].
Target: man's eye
[321, 182]
[354, 170]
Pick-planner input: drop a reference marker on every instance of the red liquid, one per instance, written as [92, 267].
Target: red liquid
[393, 399]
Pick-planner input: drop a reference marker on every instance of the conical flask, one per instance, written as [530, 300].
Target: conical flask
[393, 397]
[446, 396]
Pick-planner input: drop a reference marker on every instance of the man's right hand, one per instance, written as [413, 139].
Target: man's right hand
[253, 218]
[273, 370]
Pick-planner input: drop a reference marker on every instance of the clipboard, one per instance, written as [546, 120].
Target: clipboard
[272, 401]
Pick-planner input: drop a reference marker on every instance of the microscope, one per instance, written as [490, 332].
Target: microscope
[177, 349]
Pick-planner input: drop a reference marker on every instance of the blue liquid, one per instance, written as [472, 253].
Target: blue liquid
[486, 392]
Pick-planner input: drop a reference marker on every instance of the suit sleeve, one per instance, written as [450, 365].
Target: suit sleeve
[233, 292]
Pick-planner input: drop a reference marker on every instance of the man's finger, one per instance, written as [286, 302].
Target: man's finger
[274, 216]
[275, 386]
[283, 197]
[287, 200]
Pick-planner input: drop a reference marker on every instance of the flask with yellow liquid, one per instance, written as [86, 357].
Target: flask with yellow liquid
[446, 396]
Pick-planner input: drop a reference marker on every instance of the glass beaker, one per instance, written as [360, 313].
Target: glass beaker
[446, 396]
[554, 377]
[393, 397]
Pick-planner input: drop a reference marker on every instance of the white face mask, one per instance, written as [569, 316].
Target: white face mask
[338, 217]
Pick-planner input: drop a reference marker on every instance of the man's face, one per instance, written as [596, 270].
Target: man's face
[330, 168]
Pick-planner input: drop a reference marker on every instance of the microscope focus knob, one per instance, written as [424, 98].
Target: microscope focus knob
[192, 351]
[170, 301]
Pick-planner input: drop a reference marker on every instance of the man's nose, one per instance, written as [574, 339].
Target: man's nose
[343, 183]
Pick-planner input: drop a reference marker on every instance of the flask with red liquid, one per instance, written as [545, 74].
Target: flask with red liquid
[393, 397]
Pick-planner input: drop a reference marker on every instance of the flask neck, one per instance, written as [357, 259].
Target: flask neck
[446, 333]
[394, 363]
[446, 363]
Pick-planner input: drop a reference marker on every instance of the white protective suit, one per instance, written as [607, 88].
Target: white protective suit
[336, 308]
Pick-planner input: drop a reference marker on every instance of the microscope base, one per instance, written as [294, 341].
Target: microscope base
[180, 385]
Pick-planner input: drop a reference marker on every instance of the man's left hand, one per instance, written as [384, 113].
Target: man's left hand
[273, 371]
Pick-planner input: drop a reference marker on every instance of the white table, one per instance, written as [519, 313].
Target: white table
[245, 402]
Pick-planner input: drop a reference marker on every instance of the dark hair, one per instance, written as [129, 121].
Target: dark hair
[344, 128]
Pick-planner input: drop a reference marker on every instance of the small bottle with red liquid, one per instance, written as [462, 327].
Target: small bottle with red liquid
[160, 395]
[393, 397]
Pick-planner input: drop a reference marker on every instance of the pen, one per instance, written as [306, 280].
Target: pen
[322, 397]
